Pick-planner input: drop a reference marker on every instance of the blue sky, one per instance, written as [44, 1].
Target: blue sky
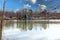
[19, 4]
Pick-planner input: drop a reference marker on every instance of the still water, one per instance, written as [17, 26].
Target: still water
[29, 30]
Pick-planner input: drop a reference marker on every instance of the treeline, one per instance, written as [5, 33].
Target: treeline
[20, 14]
[23, 14]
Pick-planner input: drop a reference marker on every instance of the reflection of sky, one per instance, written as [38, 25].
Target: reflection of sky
[51, 33]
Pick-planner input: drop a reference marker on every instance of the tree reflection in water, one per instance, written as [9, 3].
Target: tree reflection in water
[44, 25]
[8, 23]
[29, 25]
[22, 25]
[25, 25]
[41, 25]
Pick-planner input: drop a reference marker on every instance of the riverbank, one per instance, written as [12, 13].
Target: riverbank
[35, 21]
[40, 21]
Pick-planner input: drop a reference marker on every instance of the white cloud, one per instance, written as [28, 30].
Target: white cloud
[43, 7]
[16, 10]
[33, 1]
[27, 6]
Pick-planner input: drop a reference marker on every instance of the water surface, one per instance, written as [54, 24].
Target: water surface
[28, 30]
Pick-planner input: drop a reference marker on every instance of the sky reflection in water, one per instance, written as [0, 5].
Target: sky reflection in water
[31, 31]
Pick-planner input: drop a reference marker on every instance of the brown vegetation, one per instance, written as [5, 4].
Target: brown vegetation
[29, 13]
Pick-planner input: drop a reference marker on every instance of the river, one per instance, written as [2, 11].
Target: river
[29, 30]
